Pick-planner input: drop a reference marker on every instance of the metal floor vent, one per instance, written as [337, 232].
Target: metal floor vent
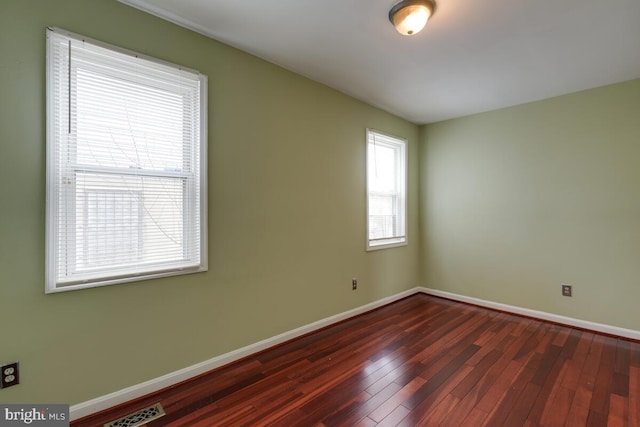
[139, 418]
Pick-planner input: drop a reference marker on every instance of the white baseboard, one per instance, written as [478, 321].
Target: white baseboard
[583, 324]
[125, 395]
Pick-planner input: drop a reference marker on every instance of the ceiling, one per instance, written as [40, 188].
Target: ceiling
[473, 56]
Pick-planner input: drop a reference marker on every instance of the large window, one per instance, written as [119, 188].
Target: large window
[386, 191]
[126, 166]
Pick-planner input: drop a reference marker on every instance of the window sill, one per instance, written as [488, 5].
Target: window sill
[395, 243]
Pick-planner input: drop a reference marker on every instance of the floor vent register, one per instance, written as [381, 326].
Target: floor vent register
[138, 418]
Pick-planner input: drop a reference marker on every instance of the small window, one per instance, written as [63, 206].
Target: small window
[386, 191]
[126, 166]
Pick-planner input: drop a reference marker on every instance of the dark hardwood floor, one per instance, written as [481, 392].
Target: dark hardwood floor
[419, 361]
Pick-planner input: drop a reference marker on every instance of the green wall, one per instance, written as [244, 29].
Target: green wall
[517, 201]
[286, 215]
[507, 206]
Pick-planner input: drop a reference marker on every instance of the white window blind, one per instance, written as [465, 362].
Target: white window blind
[386, 190]
[126, 165]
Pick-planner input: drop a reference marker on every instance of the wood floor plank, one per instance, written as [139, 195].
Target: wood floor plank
[350, 414]
[596, 419]
[456, 365]
[548, 380]
[556, 411]
[397, 372]
[521, 408]
[618, 415]
[419, 361]
[550, 333]
[574, 365]
[623, 349]
[432, 396]
[394, 417]
[439, 411]
[552, 397]
[498, 338]
[462, 410]
[387, 407]
[634, 356]
[604, 379]
[366, 422]
[634, 395]
[479, 371]
[475, 418]
[581, 404]
[579, 410]
[500, 386]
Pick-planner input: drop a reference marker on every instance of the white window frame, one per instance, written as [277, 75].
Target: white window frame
[56, 193]
[400, 145]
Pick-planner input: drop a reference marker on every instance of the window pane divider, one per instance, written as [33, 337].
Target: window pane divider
[130, 171]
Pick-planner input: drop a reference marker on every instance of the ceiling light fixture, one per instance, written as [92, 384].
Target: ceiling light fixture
[410, 16]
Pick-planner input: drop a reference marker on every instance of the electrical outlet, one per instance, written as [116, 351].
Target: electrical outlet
[9, 375]
[354, 284]
[567, 290]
